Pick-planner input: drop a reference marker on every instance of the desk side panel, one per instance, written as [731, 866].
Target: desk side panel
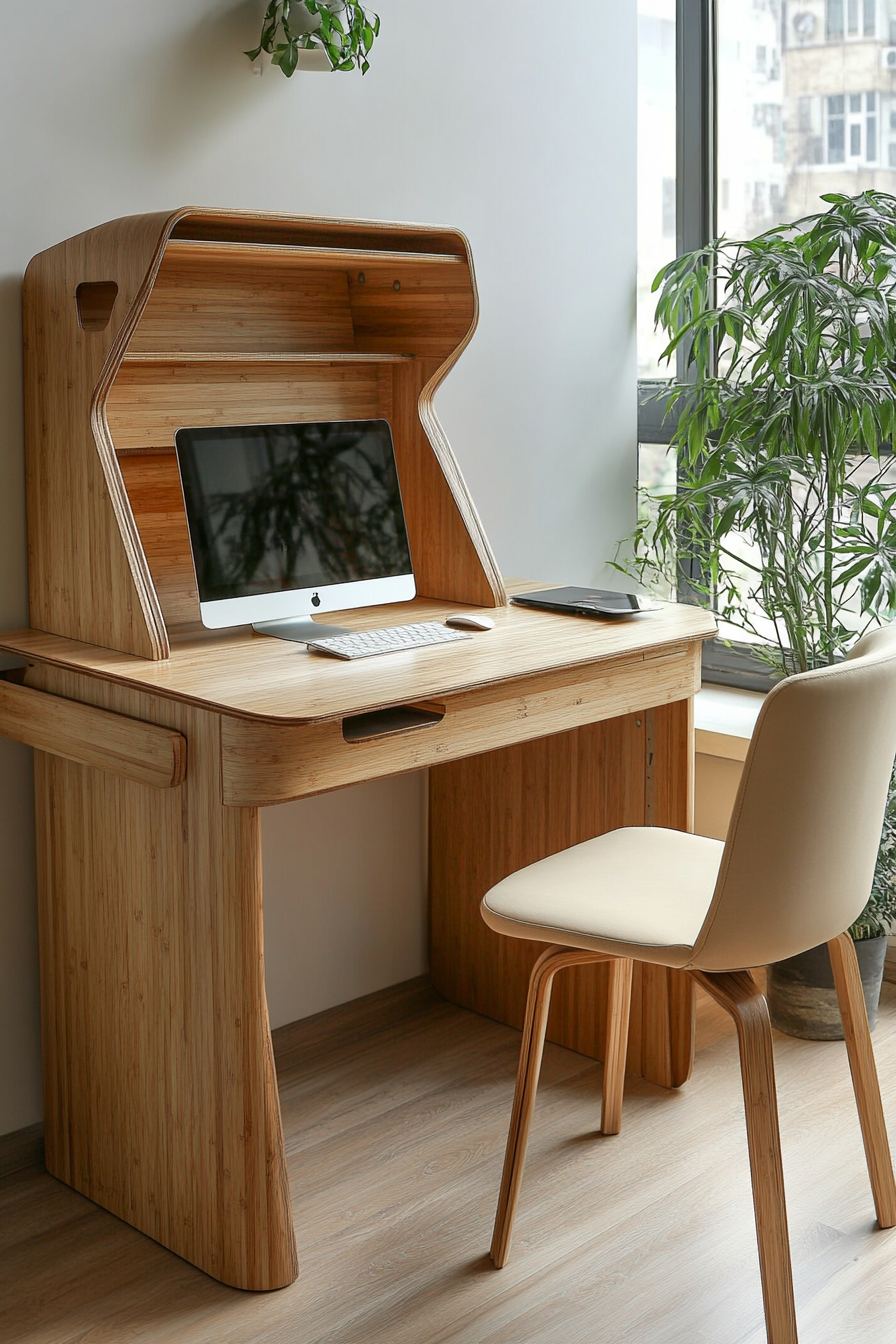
[160, 1093]
[88, 576]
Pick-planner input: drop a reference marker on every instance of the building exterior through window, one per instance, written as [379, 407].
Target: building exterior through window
[817, 80]
[804, 105]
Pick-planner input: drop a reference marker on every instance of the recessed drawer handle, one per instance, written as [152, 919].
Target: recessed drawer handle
[390, 722]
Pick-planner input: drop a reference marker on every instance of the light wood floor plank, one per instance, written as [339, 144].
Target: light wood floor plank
[396, 1112]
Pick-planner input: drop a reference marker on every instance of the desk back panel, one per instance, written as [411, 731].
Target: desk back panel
[493, 813]
[150, 401]
[227, 318]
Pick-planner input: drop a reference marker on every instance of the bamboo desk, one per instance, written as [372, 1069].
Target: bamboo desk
[158, 741]
[161, 1097]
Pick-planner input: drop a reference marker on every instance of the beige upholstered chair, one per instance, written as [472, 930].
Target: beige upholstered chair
[795, 871]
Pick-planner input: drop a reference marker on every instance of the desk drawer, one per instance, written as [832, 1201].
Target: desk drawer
[265, 762]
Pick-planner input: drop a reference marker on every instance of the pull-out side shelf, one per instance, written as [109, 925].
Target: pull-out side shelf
[143, 752]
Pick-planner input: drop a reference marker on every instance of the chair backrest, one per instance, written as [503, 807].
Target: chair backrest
[802, 844]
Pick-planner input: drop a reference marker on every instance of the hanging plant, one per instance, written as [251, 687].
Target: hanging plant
[344, 29]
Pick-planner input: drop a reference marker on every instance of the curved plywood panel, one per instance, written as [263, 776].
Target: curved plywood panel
[225, 317]
[88, 575]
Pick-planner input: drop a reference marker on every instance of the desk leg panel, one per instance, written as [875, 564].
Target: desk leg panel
[495, 813]
[160, 1091]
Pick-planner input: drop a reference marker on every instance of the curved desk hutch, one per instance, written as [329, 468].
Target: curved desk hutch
[157, 741]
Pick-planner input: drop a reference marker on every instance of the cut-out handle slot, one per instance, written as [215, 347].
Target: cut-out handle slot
[390, 722]
[95, 300]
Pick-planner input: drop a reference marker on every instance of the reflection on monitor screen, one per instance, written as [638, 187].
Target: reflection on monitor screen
[289, 519]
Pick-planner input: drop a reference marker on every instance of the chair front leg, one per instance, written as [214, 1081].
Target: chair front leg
[619, 1005]
[538, 1005]
[738, 994]
[864, 1076]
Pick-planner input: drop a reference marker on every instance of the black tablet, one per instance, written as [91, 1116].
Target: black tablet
[587, 601]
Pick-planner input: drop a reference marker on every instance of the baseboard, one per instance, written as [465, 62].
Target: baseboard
[22, 1149]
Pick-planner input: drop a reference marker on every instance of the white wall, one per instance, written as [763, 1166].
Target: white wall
[110, 107]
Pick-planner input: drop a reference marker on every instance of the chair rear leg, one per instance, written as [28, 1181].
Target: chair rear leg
[538, 1005]
[739, 995]
[618, 1012]
[864, 1076]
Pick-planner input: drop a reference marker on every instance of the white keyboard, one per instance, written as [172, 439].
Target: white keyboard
[367, 643]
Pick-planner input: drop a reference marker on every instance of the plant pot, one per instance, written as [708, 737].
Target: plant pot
[801, 996]
[313, 58]
[309, 58]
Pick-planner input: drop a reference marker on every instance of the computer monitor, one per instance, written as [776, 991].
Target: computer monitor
[287, 520]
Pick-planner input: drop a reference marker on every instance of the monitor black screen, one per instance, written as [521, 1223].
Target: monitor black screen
[272, 508]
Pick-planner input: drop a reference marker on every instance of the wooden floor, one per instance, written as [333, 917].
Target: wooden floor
[395, 1111]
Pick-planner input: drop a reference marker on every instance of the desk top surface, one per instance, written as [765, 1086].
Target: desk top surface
[255, 676]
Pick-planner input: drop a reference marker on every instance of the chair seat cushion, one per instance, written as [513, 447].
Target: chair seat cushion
[638, 892]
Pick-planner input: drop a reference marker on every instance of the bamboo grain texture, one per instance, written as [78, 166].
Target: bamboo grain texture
[160, 1098]
[242, 294]
[246, 675]
[495, 812]
[142, 752]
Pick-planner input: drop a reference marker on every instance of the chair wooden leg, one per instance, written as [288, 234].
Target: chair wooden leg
[538, 1004]
[864, 1076]
[738, 994]
[618, 1011]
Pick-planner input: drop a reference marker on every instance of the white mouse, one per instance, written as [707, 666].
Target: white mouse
[471, 620]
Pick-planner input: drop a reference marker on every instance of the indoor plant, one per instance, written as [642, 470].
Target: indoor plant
[344, 30]
[784, 518]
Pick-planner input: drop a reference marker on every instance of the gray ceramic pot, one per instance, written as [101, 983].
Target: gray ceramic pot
[802, 999]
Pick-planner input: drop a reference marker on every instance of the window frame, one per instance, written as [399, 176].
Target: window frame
[724, 663]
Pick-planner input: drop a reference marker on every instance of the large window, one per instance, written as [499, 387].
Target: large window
[749, 112]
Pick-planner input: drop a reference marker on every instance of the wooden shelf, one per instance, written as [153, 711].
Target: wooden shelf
[330, 257]
[261, 357]
[329, 320]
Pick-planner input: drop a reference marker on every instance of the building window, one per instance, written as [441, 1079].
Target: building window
[855, 19]
[871, 128]
[668, 207]
[836, 130]
[852, 129]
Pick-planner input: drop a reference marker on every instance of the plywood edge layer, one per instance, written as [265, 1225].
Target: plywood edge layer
[142, 752]
[311, 255]
[88, 577]
[432, 428]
